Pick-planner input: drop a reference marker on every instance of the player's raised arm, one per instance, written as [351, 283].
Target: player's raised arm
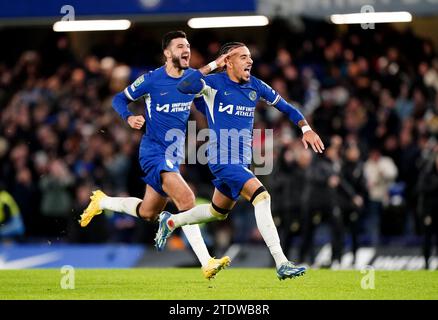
[193, 83]
[218, 63]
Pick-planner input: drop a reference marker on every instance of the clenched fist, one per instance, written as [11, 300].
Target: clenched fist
[136, 122]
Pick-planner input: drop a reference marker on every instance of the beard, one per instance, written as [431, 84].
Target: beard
[242, 80]
[177, 63]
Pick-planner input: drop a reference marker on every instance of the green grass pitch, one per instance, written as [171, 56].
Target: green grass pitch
[233, 284]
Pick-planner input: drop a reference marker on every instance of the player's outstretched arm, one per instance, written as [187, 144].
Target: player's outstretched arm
[309, 136]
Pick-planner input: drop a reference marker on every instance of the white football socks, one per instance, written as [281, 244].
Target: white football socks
[199, 214]
[129, 205]
[121, 204]
[194, 236]
[267, 229]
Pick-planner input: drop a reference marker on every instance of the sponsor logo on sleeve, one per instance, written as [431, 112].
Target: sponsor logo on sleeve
[137, 82]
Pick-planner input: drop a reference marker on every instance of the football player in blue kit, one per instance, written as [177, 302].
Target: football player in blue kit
[167, 109]
[231, 98]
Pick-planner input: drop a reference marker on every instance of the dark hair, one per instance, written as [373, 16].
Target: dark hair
[230, 46]
[170, 36]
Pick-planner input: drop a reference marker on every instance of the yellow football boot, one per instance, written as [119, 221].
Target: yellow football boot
[93, 208]
[214, 266]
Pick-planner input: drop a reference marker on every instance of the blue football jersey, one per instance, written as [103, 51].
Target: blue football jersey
[230, 108]
[167, 109]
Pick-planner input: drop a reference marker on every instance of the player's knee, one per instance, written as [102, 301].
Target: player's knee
[219, 213]
[261, 194]
[146, 214]
[185, 201]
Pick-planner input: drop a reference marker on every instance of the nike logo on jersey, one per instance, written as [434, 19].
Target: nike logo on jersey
[163, 93]
[227, 93]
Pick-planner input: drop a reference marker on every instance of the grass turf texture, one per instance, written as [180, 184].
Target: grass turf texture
[233, 283]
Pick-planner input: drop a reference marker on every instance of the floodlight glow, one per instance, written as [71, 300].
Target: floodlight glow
[371, 17]
[91, 25]
[227, 22]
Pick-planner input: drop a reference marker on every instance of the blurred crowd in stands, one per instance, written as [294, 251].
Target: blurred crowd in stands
[370, 94]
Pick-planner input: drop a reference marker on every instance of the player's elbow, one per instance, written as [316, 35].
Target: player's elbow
[184, 86]
[115, 102]
[119, 99]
